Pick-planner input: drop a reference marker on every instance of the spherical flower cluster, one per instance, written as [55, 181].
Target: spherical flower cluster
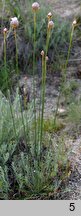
[35, 6]
[50, 24]
[14, 23]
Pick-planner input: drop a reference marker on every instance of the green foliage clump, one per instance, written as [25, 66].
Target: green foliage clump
[74, 113]
[28, 166]
[22, 174]
[50, 127]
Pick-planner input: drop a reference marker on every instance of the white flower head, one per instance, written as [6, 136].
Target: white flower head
[35, 6]
[50, 24]
[42, 53]
[74, 23]
[14, 23]
[49, 15]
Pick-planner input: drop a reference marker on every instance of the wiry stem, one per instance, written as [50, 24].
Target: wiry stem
[55, 116]
[17, 71]
[44, 83]
[68, 55]
[6, 75]
[64, 73]
[43, 97]
[47, 42]
[34, 91]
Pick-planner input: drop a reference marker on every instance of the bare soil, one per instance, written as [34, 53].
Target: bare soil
[66, 8]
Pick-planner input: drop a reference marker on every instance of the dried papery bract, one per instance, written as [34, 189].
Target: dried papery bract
[42, 53]
[50, 25]
[35, 6]
[49, 16]
[5, 30]
[74, 23]
[14, 23]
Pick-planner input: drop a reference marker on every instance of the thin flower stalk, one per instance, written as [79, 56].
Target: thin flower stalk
[49, 28]
[34, 90]
[47, 42]
[6, 75]
[44, 69]
[68, 55]
[27, 126]
[64, 70]
[17, 71]
[56, 111]
[42, 97]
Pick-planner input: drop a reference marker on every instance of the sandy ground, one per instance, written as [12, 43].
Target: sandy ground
[66, 8]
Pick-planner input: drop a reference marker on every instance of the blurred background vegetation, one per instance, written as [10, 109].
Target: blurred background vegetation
[58, 44]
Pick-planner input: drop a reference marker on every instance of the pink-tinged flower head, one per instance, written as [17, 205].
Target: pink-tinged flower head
[49, 16]
[5, 31]
[14, 23]
[50, 24]
[35, 6]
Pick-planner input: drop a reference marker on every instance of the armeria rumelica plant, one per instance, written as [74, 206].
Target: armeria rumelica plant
[33, 157]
